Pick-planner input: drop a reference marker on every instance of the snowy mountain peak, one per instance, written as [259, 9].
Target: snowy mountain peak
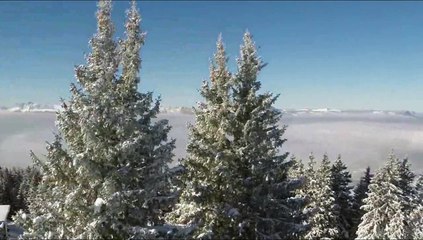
[32, 107]
[185, 110]
[52, 108]
[325, 110]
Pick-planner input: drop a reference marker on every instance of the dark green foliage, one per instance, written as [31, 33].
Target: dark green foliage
[359, 193]
[341, 180]
[15, 185]
[405, 183]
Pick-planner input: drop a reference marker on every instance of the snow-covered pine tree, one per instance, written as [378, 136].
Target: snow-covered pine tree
[413, 202]
[399, 227]
[322, 220]
[31, 179]
[210, 190]
[416, 215]
[307, 192]
[416, 222]
[298, 198]
[419, 186]
[297, 170]
[257, 139]
[341, 179]
[297, 176]
[384, 217]
[235, 184]
[360, 193]
[10, 180]
[405, 183]
[4, 172]
[104, 182]
[147, 135]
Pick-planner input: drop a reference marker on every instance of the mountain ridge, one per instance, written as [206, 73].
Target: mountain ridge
[51, 108]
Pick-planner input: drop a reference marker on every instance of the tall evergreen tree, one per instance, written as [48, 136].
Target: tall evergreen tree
[107, 180]
[236, 182]
[148, 135]
[360, 193]
[384, 217]
[341, 179]
[257, 139]
[210, 188]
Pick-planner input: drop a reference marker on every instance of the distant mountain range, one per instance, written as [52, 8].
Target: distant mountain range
[31, 107]
[35, 107]
[311, 111]
[335, 111]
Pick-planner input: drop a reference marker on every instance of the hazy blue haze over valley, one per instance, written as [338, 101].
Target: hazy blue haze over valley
[363, 139]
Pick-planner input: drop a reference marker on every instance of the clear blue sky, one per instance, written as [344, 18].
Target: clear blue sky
[347, 55]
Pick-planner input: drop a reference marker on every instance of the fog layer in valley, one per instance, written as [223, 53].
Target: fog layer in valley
[363, 138]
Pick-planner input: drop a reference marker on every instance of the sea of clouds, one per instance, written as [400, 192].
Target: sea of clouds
[363, 138]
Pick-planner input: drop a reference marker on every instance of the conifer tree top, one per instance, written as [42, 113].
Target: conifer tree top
[249, 65]
[131, 46]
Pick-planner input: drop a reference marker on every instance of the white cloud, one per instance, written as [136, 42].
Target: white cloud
[363, 139]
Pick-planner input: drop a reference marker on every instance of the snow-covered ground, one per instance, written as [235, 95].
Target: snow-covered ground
[364, 138]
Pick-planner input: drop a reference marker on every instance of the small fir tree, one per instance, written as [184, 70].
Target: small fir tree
[384, 217]
[298, 197]
[341, 179]
[416, 215]
[360, 193]
[323, 216]
[257, 139]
